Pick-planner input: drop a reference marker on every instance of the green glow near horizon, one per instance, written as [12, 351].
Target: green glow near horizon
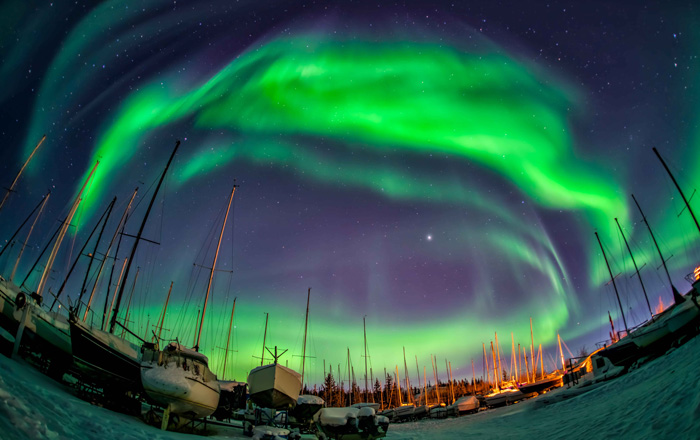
[286, 328]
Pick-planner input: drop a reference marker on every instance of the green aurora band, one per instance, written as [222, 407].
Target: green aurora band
[484, 108]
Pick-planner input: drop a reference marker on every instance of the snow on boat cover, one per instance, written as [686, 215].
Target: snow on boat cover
[179, 378]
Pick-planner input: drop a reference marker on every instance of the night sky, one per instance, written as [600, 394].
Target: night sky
[438, 167]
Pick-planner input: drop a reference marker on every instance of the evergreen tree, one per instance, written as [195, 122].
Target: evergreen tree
[330, 389]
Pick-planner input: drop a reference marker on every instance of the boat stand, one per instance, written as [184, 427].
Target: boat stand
[174, 422]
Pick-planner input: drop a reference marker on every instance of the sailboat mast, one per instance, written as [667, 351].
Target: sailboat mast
[405, 371]
[364, 329]
[676, 295]
[128, 304]
[228, 338]
[448, 367]
[14, 182]
[43, 199]
[532, 351]
[92, 256]
[306, 328]
[561, 353]
[425, 386]
[612, 278]
[513, 361]
[161, 321]
[437, 380]
[31, 228]
[527, 367]
[54, 252]
[106, 257]
[500, 367]
[473, 379]
[636, 269]
[418, 373]
[213, 268]
[262, 358]
[678, 188]
[350, 380]
[486, 364]
[114, 296]
[495, 368]
[75, 262]
[115, 313]
[398, 385]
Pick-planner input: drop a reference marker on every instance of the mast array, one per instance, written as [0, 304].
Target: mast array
[676, 295]
[115, 312]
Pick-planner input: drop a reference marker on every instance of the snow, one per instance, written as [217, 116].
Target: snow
[337, 416]
[659, 400]
[309, 399]
[187, 352]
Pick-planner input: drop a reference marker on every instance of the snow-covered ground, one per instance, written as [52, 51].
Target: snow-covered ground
[660, 400]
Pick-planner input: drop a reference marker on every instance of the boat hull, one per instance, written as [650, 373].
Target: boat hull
[541, 385]
[179, 378]
[503, 398]
[274, 386]
[467, 405]
[105, 358]
[44, 332]
[184, 395]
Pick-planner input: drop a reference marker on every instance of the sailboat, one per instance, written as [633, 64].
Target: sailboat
[658, 335]
[102, 356]
[47, 332]
[179, 378]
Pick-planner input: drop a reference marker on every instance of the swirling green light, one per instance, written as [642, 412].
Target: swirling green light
[484, 108]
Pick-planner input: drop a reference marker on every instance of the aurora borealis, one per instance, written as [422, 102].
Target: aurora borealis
[440, 169]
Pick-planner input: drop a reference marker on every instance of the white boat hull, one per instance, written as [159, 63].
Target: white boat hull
[50, 332]
[184, 395]
[274, 386]
[467, 404]
[666, 325]
[182, 384]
